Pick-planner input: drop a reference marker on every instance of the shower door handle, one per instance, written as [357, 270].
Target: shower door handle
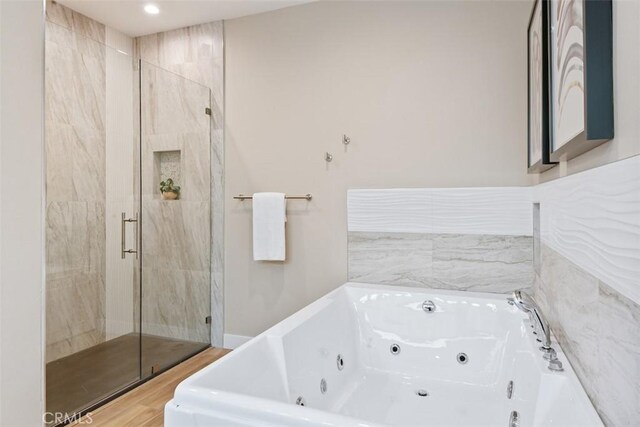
[123, 236]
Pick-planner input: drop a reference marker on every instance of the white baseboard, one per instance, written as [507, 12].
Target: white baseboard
[234, 341]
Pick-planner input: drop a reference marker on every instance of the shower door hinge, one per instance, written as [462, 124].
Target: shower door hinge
[207, 320]
[207, 111]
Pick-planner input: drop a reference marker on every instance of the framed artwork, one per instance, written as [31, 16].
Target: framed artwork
[581, 76]
[538, 88]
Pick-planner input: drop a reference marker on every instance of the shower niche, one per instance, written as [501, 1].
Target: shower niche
[167, 167]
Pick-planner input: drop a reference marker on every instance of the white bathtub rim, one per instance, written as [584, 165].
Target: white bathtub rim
[278, 331]
[271, 412]
[282, 328]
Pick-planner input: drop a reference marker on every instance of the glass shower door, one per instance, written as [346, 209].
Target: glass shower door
[92, 337]
[175, 154]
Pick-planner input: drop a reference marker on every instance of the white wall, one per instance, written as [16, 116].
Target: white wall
[21, 212]
[432, 94]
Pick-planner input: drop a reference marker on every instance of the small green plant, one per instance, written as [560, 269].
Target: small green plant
[168, 186]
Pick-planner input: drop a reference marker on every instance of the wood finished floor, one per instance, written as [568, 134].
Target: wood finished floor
[144, 405]
[85, 377]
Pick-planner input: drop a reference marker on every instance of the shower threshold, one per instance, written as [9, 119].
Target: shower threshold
[82, 379]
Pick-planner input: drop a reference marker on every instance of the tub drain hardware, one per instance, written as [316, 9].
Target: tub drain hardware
[462, 358]
[395, 349]
[300, 401]
[429, 306]
[422, 393]
[323, 386]
[340, 362]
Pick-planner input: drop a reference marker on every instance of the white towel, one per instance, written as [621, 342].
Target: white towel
[269, 217]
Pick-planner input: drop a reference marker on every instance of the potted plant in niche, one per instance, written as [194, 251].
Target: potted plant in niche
[169, 190]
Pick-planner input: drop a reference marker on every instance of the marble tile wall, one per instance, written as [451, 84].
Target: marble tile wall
[593, 219]
[599, 331]
[121, 194]
[469, 262]
[588, 280]
[473, 239]
[75, 181]
[184, 239]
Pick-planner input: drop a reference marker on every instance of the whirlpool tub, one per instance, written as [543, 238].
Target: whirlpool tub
[371, 355]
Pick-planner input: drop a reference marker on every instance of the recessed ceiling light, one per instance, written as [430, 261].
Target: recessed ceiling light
[151, 9]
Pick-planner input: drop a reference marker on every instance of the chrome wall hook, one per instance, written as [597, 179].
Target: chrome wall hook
[328, 157]
[346, 140]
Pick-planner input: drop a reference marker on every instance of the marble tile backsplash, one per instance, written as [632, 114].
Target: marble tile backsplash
[593, 219]
[599, 330]
[504, 211]
[587, 239]
[469, 262]
[472, 239]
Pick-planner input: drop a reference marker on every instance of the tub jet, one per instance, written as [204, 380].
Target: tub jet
[340, 362]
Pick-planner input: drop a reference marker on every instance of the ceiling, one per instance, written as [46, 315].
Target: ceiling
[129, 17]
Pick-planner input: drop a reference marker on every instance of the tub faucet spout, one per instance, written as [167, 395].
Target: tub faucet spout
[524, 302]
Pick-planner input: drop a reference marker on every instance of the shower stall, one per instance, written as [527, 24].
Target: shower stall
[128, 271]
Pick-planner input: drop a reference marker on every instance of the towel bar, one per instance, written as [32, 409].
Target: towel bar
[305, 197]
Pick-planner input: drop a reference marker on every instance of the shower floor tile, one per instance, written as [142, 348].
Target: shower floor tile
[81, 379]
